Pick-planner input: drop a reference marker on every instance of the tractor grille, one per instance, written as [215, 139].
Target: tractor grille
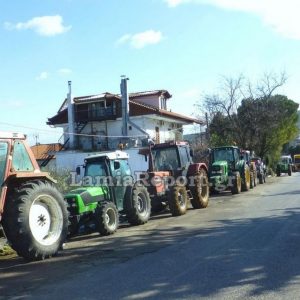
[72, 206]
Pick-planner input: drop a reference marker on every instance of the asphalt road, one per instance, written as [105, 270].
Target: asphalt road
[243, 246]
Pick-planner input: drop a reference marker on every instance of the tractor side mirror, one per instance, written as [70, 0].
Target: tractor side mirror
[117, 165]
[78, 170]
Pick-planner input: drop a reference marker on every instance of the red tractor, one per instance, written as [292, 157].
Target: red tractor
[33, 213]
[173, 179]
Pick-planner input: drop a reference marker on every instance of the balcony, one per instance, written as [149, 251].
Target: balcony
[89, 113]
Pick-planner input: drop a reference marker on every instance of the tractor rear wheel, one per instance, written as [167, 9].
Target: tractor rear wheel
[138, 205]
[178, 200]
[200, 190]
[106, 218]
[236, 184]
[35, 220]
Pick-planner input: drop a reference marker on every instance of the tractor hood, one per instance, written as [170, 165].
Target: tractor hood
[218, 168]
[89, 195]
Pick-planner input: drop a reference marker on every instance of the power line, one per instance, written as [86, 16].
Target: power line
[73, 133]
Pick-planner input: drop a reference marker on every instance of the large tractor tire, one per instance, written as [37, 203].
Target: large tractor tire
[200, 190]
[178, 200]
[137, 205]
[246, 180]
[35, 220]
[236, 184]
[290, 171]
[106, 218]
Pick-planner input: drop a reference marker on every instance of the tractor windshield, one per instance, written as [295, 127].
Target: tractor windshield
[223, 154]
[3, 160]
[95, 168]
[285, 160]
[165, 159]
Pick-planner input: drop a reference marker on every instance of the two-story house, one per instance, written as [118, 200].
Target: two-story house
[98, 120]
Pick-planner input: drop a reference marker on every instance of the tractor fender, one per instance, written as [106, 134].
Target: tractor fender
[195, 168]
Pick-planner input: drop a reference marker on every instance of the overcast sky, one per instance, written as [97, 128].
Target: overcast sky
[183, 46]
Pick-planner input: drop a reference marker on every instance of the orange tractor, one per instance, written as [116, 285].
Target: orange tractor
[173, 179]
[32, 211]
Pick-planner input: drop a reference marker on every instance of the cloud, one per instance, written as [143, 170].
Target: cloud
[44, 26]
[14, 104]
[64, 71]
[142, 39]
[42, 76]
[282, 16]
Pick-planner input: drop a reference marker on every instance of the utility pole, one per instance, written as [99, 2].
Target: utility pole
[36, 137]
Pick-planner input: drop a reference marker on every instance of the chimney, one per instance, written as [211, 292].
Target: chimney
[125, 105]
[71, 117]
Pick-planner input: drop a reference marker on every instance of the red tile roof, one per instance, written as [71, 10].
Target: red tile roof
[137, 108]
[41, 151]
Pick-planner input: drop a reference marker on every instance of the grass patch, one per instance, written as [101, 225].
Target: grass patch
[6, 250]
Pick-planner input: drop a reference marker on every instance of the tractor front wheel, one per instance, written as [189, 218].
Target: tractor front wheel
[178, 200]
[236, 184]
[106, 218]
[138, 205]
[200, 190]
[35, 220]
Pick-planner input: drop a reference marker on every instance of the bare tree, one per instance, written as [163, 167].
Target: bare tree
[232, 92]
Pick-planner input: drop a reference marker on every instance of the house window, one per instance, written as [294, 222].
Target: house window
[97, 109]
[163, 103]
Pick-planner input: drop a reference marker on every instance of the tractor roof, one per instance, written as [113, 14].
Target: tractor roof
[170, 144]
[110, 155]
[285, 156]
[12, 135]
[225, 147]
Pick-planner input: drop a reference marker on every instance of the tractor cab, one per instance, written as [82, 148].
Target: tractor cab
[229, 156]
[173, 157]
[111, 173]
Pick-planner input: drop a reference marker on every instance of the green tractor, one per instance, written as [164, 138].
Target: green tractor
[228, 170]
[285, 165]
[107, 191]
